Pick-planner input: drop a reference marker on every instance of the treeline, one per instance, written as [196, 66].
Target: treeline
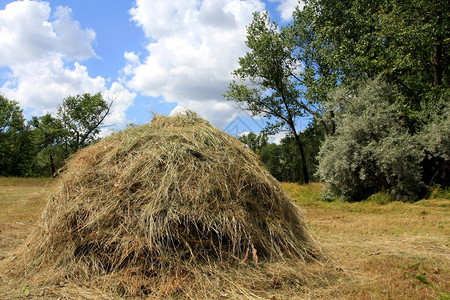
[281, 159]
[40, 146]
[373, 74]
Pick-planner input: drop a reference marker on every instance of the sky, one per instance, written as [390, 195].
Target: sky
[149, 56]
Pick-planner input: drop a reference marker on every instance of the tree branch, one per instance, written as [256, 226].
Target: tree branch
[100, 121]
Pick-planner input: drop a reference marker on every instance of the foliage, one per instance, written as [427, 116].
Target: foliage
[265, 80]
[281, 159]
[81, 117]
[272, 158]
[48, 137]
[350, 42]
[294, 71]
[256, 142]
[11, 116]
[313, 137]
[42, 146]
[373, 149]
[435, 140]
[13, 138]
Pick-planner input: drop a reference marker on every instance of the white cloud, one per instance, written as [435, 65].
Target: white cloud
[132, 61]
[72, 41]
[213, 13]
[122, 99]
[193, 48]
[159, 18]
[287, 7]
[26, 34]
[42, 84]
[42, 52]
[218, 113]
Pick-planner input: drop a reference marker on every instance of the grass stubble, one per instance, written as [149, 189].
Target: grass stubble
[387, 250]
[376, 251]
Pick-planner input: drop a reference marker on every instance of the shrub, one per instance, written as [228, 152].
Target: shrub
[372, 150]
[435, 140]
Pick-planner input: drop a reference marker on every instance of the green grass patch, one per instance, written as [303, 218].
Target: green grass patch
[306, 193]
[438, 192]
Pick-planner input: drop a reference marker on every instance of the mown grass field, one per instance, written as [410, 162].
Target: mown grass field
[384, 250]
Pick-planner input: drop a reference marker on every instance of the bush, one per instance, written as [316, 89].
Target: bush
[372, 150]
[435, 140]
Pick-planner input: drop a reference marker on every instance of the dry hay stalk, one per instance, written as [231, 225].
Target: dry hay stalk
[164, 198]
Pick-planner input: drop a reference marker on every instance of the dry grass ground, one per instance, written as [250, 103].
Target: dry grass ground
[381, 250]
[21, 203]
[387, 250]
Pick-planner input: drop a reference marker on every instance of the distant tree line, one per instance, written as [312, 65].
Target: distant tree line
[373, 74]
[281, 159]
[41, 146]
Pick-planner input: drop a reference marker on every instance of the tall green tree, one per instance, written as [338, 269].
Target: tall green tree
[81, 117]
[42, 146]
[349, 42]
[265, 81]
[374, 150]
[48, 137]
[14, 139]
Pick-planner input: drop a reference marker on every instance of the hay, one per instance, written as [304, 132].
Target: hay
[160, 203]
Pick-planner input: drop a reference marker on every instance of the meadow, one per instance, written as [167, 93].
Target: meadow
[380, 249]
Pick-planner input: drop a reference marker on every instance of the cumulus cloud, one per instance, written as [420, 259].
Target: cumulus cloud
[26, 33]
[193, 48]
[43, 83]
[42, 50]
[287, 7]
[219, 113]
[122, 99]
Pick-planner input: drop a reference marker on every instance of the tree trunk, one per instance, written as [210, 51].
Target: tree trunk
[78, 141]
[301, 150]
[52, 165]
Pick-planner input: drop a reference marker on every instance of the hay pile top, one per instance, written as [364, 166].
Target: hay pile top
[177, 191]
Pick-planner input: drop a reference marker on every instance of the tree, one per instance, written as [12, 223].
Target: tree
[81, 117]
[11, 116]
[266, 81]
[48, 137]
[333, 45]
[281, 159]
[272, 158]
[41, 147]
[254, 141]
[14, 139]
[349, 42]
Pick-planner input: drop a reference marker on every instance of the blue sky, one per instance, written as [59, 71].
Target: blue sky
[149, 55]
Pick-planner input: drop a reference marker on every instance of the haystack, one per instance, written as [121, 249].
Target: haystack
[169, 197]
